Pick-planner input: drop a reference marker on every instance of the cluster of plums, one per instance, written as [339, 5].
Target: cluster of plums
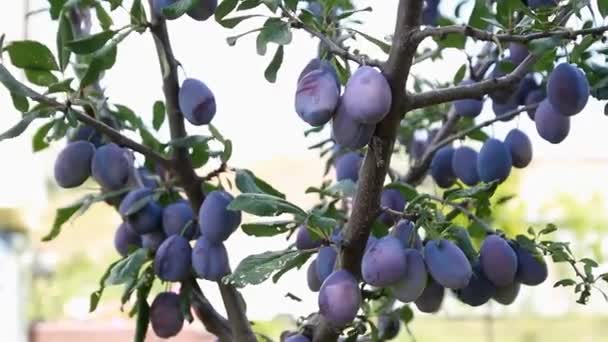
[365, 102]
[419, 272]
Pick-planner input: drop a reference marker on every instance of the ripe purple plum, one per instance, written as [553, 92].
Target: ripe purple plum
[464, 165]
[166, 315]
[210, 260]
[326, 261]
[305, 240]
[339, 298]
[145, 218]
[111, 167]
[520, 147]
[534, 97]
[550, 124]
[216, 221]
[152, 241]
[410, 287]
[479, 291]
[494, 161]
[348, 132]
[73, 164]
[173, 259]
[322, 64]
[314, 284]
[406, 233]
[125, 238]
[506, 295]
[498, 260]
[176, 217]
[367, 96]
[204, 10]
[518, 52]
[527, 85]
[431, 298]
[567, 89]
[196, 102]
[348, 165]
[469, 108]
[505, 108]
[447, 264]
[392, 199]
[441, 167]
[384, 263]
[531, 267]
[317, 97]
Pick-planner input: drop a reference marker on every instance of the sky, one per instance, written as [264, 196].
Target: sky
[258, 116]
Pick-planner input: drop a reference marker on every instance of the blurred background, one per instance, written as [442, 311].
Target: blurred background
[45, 287]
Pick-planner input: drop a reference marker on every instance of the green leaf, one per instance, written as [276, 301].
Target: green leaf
[216, 134]
[227, 153]
[127, 268]
[324, 225]
[61, 87]
[21, 126]
[39, 139]
[138, 15]
[590, 262]
[267, 228]
[199, 155]
[564, 283]
[20, 102]
[385, 47]
[550, 228]
[29, 54]
[96, 296]
[179, 8]
[234, 21]
[274, 31]
[273, 67]
[247, 182]
[114, 4]
[264, 205]
[479, 191]
[408, 191]
[103, 59]
[138, 205]
[56, 7]
[347, 14]
[105, 21]
[13, 85]
[189, 141]
[62, 215]
[249, 4]
[40, 77]
[255, 269]
[159, 114]
[224, 8]
[296, 262]
[291, 4]
[90, 43]
[460, 74]
[64, 34]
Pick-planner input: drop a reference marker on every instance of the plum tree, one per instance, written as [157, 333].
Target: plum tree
[447, 264]
[531, 267]
[367, 97]
[173, 259]
[520, 147]
[110, 167]
[410, 287]
[209, 259]
[431, 298]
[567, 89]
[348, 132]
[204, 10]
[304, 240]
[498, 260]
[388, 327]
[166, 315]
[197, 102]
[384, 263]
[348, 165]
[550, 124]
[479, 290]
[126, 239]
[73, 164]
[216, 221]
[494, 161]
[464, 165]
[405, 231]
[468, 107]
[317, 95]
[506, 295]
[142, 211]
[339, 298]
[392, 199]
[441, 167]
[179, 219]
[326, 261]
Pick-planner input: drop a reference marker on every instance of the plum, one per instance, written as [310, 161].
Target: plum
[392, 199]
[348, 165]
[541, 3]
[506, 295]
[86, 133]
[152, 241]
[447, 264]
[498, 260]
[520, 147]
[567, 89]
[388, 326]
[501, 109]
[145, 218]
[73, 164]
[297, 338]
[111, 167]
[550, 124]
[406, 233]
[210, 260]
[371, 240]
[176, 217]
[518, 52]
[431, 298]
[204, 10]
[367, 96]
[534, 97]
[411, 286]
[502, 95]
[494, 161]
[305, 240]
[531, 267]
[339, 298]
[320, 64]
[173, 259]
[348, 132]
[527, 85]
[314, 284]
[326, 260]
[415, 148]
[159, 5]
[196, 102]
[317, 97]
[166, 315]
[464, 165]
[216, 221]
[430, 13]
[469, 108]
[384, 263]
[441, 167]
[479, 291]
[126, 238]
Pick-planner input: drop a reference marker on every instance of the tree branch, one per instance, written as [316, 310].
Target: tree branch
[213, 321]
[182, 165]
[377, 159]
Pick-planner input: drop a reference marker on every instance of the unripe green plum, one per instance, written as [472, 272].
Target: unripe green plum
[73, 164]
[196, 102]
